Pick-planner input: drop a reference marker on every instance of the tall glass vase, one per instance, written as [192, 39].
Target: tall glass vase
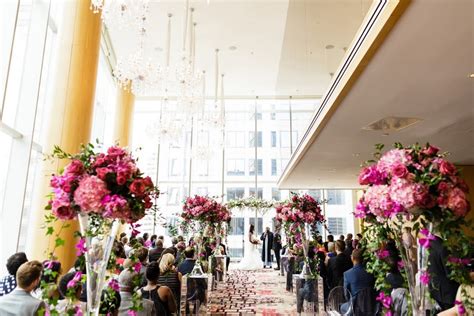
[415, 261]
[99, 235]
[306, 272]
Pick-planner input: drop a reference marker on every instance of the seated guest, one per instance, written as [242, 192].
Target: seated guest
[188, 264]
[50, 275]
[126, 291]
[155, 253]
[394, 277]
[109, 305]
[341, 237]
[20, 301]
[338, 265]
[169, 276]
[8, 282]
[68, 281]
[349, 247]
[162, 296]
[356, 278]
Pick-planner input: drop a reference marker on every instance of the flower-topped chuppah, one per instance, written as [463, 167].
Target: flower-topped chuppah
[101, 190]
[417, 198]
[295, 215]
[208, 219]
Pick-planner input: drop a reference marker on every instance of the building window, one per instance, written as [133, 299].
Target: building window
[252, 139]
[274, 167]
[274, 138]
[202, 167]
[235, 167]
[235, 139]
[173, 195]
[336, 197]
[237, 226]
[202, 191]
[235, 193]
[252, 167]
[276, 194]
[337, 225]
[176, 166]
[273, 113]
[285, 139]
[259, 192]
[259, 229]
[316, 194]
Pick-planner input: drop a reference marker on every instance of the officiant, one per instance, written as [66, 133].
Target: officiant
[267, 244]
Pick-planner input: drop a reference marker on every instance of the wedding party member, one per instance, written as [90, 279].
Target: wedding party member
[20, 301]
[250, 261]
[169, 276]
[267, 239]
[8, 282]
[162, 296]
[126, 302]
[338, 265]
[277, 246]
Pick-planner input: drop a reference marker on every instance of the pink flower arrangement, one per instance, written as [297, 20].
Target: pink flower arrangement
[409, 181]
[424, 278]
[386, 300]
[300, 209]
[81, 247]
[205, 209]
[108, 184]
[75, 280]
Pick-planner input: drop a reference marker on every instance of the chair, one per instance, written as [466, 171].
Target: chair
[400, 302]
[365, 303]
[339, 302]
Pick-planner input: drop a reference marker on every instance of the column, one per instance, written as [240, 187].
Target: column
[124, 116]
[467, 173]
[70, 122]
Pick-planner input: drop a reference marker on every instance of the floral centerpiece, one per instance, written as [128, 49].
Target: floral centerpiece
[100, 190]
[251, 202]
[207, 217]
[297, 213]
[414, 197]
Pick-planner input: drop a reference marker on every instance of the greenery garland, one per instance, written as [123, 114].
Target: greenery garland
[251, 202]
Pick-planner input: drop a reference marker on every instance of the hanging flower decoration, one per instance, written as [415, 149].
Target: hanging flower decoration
[419, 186]
[251, 202]
[109, 185]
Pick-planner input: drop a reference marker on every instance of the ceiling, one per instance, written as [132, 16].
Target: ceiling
[280, 44]
[421, 70]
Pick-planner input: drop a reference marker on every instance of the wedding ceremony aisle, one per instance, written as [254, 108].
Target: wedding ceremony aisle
[260, 292]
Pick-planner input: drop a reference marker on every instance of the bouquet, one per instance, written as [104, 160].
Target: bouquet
[109, 185]
[205, 210]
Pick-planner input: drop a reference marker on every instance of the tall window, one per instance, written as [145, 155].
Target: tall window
[252, 167]
[235, 167]
[235, 139]
[276, 195]
[173, 195]
[273, 138]
[259, 192]
[337, 225]
[274, 167]
[259, 229]
[235, 193]
[336, 197]
[252, 139]
[237, 226]
[176, 166]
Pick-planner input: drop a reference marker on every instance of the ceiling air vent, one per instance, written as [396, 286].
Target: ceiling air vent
[391, 124]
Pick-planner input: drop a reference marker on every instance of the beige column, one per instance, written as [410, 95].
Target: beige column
[70, 122]
[124, 116]
[467, 173]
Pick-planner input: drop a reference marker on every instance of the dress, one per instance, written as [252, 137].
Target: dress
[251, 259]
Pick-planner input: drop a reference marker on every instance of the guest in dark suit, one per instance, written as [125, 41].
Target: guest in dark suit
[442, 289]
[188, 264]
[338, 265]
[349, 248]
[277, 245]
[155, 253]
[356, 278]
[267, 242]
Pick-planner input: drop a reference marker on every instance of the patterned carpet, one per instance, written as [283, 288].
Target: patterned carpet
[260, 292]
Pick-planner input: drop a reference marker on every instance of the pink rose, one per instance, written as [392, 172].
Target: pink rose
[75, 167]
[138, 187]
[447, 168]
[430, 150]
[399, 171]
[102, 172]
[115, 152]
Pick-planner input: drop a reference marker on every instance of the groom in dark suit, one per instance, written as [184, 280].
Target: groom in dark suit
[277, 246]
[267, 244]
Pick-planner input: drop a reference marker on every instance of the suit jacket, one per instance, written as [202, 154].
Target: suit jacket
[19, 303]
[336, 267]
[356, 279]
[155, 254]
[126, 303]
[186, 266]
[277, 242]
[442, 289]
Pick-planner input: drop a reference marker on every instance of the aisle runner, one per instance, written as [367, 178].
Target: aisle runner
[259, 292]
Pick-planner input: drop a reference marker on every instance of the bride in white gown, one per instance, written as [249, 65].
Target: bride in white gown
[252, 258]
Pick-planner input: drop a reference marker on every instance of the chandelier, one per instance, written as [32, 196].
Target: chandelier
[121, 14]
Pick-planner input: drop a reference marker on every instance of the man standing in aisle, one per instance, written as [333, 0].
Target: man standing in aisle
[267, 239]
[277, 246]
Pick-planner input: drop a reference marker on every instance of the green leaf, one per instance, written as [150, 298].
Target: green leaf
[59, 242]
[50, 230]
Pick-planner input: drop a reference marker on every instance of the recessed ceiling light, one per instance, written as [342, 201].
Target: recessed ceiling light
[471, 76]
[232, 47]
[329, 46]
[391, 124]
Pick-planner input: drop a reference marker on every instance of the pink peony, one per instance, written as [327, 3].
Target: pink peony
[115, 152]
[399, 170]
[89, 194]
[457, 202]
[102, 172]
[75, 167]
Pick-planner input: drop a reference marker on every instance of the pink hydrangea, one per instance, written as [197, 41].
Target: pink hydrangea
[115, 206]
[457, 202]
[89, 194]
[392, 158]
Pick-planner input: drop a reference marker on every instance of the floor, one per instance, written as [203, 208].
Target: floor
[260, 292]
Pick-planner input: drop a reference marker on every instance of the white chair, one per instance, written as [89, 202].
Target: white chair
[339, 302]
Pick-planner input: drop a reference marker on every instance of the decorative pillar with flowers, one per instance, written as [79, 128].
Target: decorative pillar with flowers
[416, 198]
[101, 190]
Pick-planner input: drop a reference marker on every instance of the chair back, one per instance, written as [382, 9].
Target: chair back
[400, 301]
[339, 301]
[365, 303]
